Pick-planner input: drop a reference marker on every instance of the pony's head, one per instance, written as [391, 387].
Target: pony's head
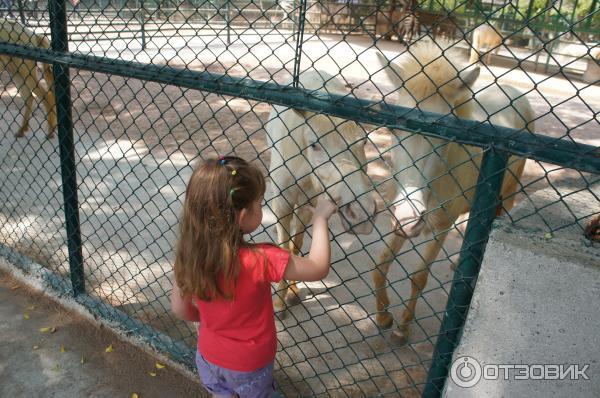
[425, 79]
[334, 148]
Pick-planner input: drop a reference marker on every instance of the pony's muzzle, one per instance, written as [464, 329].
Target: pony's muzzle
[356, 220]
[408, 218]
[408, 227]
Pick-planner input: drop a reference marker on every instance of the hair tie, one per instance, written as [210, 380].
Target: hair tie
[233, 172]
[222, 160]
[231, 191]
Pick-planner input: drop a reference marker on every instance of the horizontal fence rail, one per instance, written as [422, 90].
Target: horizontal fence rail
[560, 152]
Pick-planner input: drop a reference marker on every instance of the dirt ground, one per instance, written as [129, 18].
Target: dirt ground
[71, 360]
[135, 145]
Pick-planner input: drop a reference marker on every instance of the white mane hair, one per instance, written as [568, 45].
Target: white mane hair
[422, 71]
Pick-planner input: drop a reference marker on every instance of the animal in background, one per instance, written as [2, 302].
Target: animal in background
[408, 21]
[313, 153]
[485, 38]
[25, 76]
[437, 179]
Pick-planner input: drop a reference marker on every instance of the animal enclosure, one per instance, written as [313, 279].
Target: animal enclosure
[146, 89]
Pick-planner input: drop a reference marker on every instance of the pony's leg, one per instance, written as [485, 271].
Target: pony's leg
[496, 48]
[383, 318]
[42, 95]
[488, 58]
[510, 186]
[28, 98]
[302, 218]
[284, 213]
[418, 282]
[47, 98]
[21, 74]
[474, 56]
[474, 48]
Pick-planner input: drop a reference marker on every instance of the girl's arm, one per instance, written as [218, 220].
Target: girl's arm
[316, 265]
[183, 307]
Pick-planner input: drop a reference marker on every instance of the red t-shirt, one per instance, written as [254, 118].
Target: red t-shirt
[239, 334]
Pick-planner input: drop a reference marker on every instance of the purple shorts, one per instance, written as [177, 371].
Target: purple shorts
[223, 382]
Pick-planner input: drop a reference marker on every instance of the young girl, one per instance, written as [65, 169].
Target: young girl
[224, 282]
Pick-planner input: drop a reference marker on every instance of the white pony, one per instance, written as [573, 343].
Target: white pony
[312, 153]
[437, 179]
[485, 37]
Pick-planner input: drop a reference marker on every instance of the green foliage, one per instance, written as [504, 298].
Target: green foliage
[576, 8]
[541, 11]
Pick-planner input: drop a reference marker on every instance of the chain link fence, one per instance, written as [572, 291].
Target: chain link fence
[145, 89]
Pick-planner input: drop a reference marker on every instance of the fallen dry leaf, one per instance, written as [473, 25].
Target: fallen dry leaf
[62, 348]
[109, 348]
[134, 395]
[548, 235]
[82, 359]
[31, 307]
[35, 347]
[48, 329]
[159, 366]
[592, 230]
[25, 316]
[152, 374]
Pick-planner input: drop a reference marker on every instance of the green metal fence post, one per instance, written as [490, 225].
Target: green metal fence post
[228, 21]
[481, 217]
[588, 22]
[294, 19]
[143, 23]
[529, 11]
[21, 12]
[299, 40]
[572, 18]
[62, 84]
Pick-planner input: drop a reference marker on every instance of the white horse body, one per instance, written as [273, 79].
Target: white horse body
[452, 181]
[312, 154]
[284, 172]
[437, 179]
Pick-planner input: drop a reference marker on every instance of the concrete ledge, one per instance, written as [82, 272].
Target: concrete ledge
[537, 301]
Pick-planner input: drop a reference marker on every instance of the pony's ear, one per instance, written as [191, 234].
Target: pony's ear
[468, 77]
[393, 71]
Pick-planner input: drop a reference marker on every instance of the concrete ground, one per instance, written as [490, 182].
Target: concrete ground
[537, 313]
[70, 360]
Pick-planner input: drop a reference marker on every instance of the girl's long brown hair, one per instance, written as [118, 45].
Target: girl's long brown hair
[206, 259]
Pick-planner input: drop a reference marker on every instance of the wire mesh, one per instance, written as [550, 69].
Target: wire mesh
[136, 140]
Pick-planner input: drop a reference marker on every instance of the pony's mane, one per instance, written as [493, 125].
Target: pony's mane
[319, 80]
[315, 79]
[426, 67]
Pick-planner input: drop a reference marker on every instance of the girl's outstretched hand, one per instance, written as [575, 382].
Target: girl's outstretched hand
[316, 265]
[324, 209]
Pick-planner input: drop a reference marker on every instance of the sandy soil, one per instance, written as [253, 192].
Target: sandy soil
[72, 361]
